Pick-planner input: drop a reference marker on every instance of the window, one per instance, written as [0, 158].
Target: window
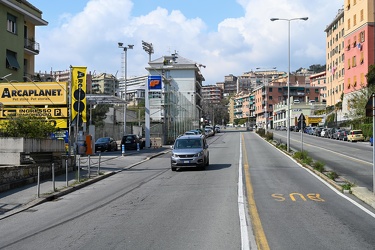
[349, 23]
[11, 23]
[362, 36]
[270, 90]
[11, 60]
[354, 81]
[348, 46]
[348, 63]
[362, 58]
[354, 61]
[361, 15]
[348, 83]
[362, 79]
[354, 20]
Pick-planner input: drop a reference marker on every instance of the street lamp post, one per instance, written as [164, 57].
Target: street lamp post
[288, 100]
[148, 47]
[125, 48]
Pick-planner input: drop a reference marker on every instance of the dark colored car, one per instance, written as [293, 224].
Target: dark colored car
[331, 132]
[105, 144]
[336, 134]
[294, 128]
[131, 141]
[344, 135]
[317, 131]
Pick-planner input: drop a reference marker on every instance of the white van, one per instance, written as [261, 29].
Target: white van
[296, 101]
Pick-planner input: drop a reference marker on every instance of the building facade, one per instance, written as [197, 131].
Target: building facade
[106, 84]
[359, 46]
[335, 57]
[178, 106]
[19, 45]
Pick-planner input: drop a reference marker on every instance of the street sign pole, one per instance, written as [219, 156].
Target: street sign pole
[373, 147]
[301, 134]
[370, 106]
[301, 119]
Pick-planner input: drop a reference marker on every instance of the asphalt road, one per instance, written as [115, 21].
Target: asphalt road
[298, 210]
[353, 161]
[151, 207]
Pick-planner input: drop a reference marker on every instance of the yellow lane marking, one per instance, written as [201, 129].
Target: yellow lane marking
[260, 236]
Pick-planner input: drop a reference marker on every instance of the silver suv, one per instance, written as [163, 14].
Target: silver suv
[190, 151]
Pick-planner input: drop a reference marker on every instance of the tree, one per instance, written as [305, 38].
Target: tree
[27, 126]
[357, 103]
[99, 114]
[371, 75]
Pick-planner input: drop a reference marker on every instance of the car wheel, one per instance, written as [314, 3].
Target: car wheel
[208, 161]
[173, 168]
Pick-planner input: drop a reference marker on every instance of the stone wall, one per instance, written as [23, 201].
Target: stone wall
[17, 176]
[20, 159]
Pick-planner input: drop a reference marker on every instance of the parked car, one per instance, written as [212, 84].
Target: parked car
[323, 132]
[294, 128]
[331, 132]
[355, 135]
[317, 131]
[105, 144]
[211, 128]
[344, 134]
[336, 134]
[217, 129]
[131, 141]
[190, 133]
[209, 132]
[190, 151]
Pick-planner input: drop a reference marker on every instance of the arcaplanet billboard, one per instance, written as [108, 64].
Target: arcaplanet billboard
[34, 93]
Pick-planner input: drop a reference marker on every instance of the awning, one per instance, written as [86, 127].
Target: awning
[12, 61]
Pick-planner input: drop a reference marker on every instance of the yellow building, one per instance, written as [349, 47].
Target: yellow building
[19, 46]
[335, 50]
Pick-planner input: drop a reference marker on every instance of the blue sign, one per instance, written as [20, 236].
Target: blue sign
[154, 83]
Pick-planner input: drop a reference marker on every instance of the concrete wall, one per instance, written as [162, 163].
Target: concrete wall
[13, 150]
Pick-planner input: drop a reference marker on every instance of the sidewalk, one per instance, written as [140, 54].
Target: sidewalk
[19, 199]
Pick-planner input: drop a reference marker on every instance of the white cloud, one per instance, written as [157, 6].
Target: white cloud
[90, 37]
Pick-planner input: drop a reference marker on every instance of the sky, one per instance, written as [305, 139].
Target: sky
[227, 36]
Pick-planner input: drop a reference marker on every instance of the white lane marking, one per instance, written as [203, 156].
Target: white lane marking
[241, 208]
[341, 194]
[331, 187]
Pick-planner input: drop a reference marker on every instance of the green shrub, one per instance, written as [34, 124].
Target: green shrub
[319, 166]
[307, 160]
[300, 155]
[269, 136]
[332, 175]
[347, 186]
[261, 132]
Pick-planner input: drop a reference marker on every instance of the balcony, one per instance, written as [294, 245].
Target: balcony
[31, 46]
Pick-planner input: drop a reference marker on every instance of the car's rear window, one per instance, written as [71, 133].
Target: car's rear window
[357, 132]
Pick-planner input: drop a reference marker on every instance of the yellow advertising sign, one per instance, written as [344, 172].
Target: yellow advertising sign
[313, 120]
[33, 93]
[39, 112]
[58, 123]
[78, 95]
